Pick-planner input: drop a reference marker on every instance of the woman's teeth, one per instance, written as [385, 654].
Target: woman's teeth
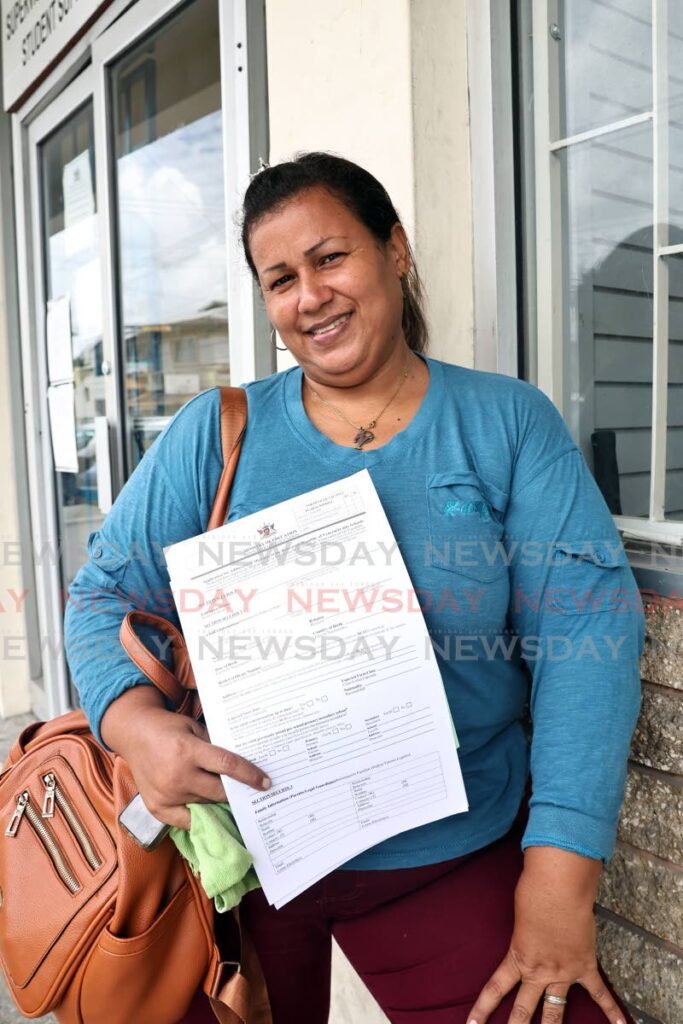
[330, 327]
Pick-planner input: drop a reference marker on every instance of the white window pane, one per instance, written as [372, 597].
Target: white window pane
[673, 494]
[603, 60]
[674, 60]
[607, 243]
[171, 219]
[72, 268]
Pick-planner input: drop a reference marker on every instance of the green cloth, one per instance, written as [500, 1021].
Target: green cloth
[214, 849]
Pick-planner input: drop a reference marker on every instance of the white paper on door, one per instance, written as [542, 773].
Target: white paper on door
[60, 402]
[60, 365]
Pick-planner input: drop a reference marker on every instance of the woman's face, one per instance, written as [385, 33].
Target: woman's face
[332, 291]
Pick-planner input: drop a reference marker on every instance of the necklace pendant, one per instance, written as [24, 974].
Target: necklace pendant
[364, 436]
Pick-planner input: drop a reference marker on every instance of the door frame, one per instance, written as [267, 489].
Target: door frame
[244, 112]
[45, 537]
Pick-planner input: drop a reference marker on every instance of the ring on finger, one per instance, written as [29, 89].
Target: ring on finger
[555, 1000]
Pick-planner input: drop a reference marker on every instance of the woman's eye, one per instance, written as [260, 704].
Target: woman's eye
[280, 281]
[331, 256]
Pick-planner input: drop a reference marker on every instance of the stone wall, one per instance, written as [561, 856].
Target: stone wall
[640, 918]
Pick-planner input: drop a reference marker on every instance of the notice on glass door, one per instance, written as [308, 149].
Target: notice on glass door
[60, 365]
[77, 186]
[60, 403]
[313, 667]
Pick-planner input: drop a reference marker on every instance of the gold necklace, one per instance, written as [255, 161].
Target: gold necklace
[364, 434]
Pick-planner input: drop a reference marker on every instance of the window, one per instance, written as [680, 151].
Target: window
[606, 160]
[169, 173]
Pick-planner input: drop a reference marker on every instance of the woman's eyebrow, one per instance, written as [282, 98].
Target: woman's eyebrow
[330, 238]
[308, 252]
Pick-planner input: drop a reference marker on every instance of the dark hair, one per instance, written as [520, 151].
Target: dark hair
[360, 192]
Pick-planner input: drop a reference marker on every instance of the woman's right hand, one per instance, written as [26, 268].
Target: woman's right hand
[170, 756]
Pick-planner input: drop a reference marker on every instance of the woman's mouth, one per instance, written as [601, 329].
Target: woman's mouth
[330, 328]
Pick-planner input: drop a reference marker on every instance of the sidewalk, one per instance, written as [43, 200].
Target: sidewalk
[351, 1003]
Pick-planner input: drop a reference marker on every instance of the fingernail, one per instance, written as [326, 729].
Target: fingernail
[266, 784]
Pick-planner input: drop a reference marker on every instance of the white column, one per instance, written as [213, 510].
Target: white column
[384, 83]
[14, 592]
[443, 181]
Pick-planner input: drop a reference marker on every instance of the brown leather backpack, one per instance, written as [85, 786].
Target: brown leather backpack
[93, 927]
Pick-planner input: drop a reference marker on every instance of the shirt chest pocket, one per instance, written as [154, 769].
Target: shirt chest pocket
[465, 518]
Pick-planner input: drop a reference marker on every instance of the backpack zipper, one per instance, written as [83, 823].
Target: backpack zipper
[54, 793]
[44, 834]
[13, 826]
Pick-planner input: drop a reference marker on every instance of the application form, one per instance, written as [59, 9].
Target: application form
[313, 660]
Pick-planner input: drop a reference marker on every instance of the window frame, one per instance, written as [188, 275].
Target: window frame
[548, 257]
[494, 221]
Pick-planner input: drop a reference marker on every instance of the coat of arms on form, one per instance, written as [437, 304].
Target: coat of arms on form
[267, 530]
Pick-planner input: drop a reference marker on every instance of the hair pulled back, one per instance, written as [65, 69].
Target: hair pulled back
[362, 194]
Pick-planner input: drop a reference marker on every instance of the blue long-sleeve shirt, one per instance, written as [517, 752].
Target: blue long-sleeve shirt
[519, 570]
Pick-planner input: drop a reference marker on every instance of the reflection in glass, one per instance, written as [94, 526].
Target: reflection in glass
[604, 62]
[674, 99]
[673, 495]
[172, 255]
[607, 206]
[72, 267]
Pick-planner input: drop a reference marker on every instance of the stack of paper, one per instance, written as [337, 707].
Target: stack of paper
[313, 660]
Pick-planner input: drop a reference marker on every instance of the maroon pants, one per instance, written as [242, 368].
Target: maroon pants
[424, 940]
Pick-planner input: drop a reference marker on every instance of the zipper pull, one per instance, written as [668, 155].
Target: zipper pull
[49, 798]
[11, 829]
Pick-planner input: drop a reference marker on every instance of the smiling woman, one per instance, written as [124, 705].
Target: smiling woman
[340, 287]
[336, 303]
[481, 916]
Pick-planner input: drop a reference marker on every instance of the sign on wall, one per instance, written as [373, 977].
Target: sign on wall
[34, 34]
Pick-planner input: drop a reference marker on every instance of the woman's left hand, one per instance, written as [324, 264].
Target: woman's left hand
[553, 941]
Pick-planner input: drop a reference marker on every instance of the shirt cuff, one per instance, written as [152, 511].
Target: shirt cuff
[568, 829]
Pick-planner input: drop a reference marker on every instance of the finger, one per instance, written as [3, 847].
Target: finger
[179, 817]
[204, 788]
[200, 730]
[225, 762]
[525, 1003]
[553, 1013]
[502, 981]
[599, 992]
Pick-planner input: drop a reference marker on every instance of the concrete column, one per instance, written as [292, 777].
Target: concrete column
[385, 83]
[442, 170]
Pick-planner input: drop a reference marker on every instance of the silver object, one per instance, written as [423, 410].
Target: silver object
[555, 32]
[141, 824]
[555, 1000]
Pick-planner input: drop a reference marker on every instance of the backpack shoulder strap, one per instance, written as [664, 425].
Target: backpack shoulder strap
[233, 426]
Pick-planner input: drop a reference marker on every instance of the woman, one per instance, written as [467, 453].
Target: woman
[517, 563]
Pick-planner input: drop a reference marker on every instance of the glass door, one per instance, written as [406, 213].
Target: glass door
[165, 103]
[130, 268]
[73, 317]
[65, 364]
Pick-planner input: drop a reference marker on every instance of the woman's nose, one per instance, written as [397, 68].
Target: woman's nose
[313, 293]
